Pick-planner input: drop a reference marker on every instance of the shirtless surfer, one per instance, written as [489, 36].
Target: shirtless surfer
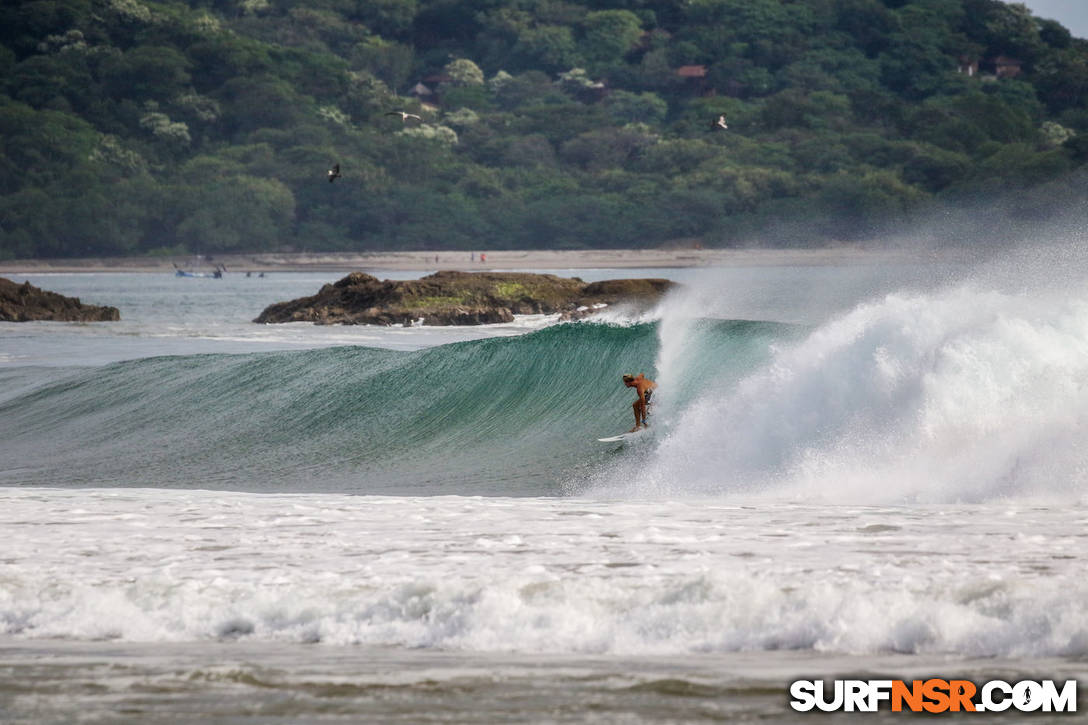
[645, 389]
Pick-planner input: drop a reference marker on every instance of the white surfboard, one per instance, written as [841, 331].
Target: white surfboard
[623, 436]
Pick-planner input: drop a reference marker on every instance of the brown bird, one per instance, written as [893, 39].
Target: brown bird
[334, 173]
[404, 116]
[720, 123]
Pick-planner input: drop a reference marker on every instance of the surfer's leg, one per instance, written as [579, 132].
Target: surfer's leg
[638, 417]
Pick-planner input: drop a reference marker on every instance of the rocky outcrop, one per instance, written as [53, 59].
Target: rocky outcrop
[459, 298]
[25, 303]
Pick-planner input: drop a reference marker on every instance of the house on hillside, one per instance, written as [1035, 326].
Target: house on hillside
[421, 92]
[694, 77]
[1006, 67]
[968, 66]
[437, 79]
[428, 99]
[990, 69]
[691, 71]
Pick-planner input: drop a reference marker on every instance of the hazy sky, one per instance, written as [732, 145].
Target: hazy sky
[1073, 14]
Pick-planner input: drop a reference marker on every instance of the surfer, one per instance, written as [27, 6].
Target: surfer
[645, 389]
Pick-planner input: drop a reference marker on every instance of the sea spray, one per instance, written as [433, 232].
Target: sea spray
[958, 395]
[679, 316]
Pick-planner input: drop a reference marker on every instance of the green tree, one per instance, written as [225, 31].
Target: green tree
[626, 107]
[146, 73]
[464, 72]
[530, 88]
[1018, 166]
[41, 147]
[605, 148]
[1062, 79]
[868, 22]
[237, 213]
[391, 18]
[53, 81]
[389, 61]
[24, 24]
[1011, 29]
[549, 47]
[252, 103]
[934, 169]
[862, 205]
[608, 35]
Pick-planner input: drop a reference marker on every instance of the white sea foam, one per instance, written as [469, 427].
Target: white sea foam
[542, 575]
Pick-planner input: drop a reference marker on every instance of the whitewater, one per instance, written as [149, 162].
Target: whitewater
[854, 469]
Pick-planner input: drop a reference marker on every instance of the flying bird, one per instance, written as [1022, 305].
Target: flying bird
[720, 123]
[334, 173]
[404, 116]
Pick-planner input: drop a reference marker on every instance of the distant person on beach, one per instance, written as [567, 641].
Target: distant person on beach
[645, 389]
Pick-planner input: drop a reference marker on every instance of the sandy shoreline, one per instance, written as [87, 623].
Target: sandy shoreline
[468, 261]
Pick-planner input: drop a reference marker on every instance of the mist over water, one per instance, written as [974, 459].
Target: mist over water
[970, 386]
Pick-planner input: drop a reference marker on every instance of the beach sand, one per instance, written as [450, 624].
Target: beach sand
[468, 261]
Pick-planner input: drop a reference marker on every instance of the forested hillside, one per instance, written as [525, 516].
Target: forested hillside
[133, 126]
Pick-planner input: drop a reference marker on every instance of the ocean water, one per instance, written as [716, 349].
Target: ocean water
[852, 470]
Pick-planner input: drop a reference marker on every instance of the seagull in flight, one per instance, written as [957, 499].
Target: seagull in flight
[720, 123]
[404, 116]
[334, 173]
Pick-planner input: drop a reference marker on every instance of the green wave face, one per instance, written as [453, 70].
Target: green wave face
[507, 416]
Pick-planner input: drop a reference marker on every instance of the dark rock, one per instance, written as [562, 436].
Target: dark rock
[459, 298]
[636, 293]
[26, 303]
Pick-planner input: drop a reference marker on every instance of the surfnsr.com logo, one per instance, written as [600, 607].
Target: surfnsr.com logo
[933, 695]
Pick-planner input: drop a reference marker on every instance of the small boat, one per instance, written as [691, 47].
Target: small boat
[216, 274]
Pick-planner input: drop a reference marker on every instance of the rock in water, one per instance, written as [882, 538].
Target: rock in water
[26, 303]
[458, 298]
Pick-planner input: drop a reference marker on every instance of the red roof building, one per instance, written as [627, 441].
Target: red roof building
[691, 71]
